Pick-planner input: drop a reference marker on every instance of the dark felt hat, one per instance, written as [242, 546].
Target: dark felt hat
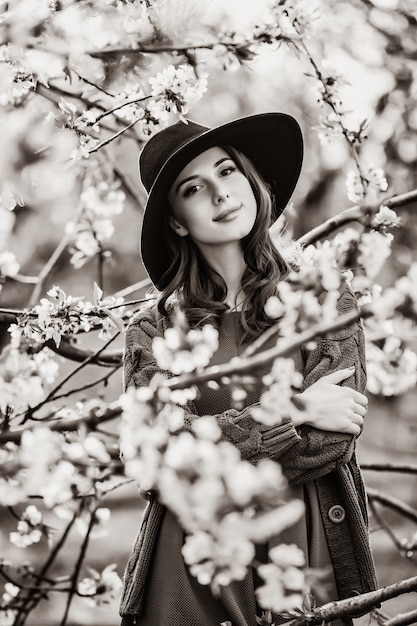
[272, 141]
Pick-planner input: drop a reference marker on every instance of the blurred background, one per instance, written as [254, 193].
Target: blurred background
[373, 46]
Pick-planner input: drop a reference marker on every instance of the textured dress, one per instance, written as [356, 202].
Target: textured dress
[158, 588]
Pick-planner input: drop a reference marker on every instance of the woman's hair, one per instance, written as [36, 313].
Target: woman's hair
[201, 292]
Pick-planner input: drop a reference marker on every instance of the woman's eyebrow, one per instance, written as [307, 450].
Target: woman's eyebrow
[219, 162]
[185, 181]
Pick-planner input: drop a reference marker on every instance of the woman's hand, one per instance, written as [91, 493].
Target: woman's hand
[327, 406]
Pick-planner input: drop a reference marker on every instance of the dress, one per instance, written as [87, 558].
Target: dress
[169, 594]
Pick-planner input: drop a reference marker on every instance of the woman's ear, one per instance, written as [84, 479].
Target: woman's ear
[177, 227]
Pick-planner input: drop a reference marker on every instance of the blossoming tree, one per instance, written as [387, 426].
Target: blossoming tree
[77, 79]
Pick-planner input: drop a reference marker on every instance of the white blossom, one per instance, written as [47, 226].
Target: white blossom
[359, 186]
[9, 265]
[182, 351]
[284, 580]
[392, 369]
[178, 87]
[385, 217]
[276, 401]
[64, 315]
[374, 249]
[101, 587]
[29, 528]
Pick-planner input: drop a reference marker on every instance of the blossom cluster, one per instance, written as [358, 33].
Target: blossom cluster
[390, 334]
[29, 528]
[175, 89]
[7, 613]
[225, 504]
[63, 315]
[360, 186]
[9, 266]
[310, 293]
[100, 203]
[16, 78]
[276, 401]
[182, 350]
[55, 467]
[284, 579]
[24, 378]
[392, 367]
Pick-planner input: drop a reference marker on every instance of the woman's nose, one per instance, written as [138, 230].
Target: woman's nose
[220, 196]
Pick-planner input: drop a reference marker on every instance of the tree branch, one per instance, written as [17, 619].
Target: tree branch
[99, 54]
[282, 349]
[393, 503]
[111, 358]
[357, 604]
[390, 467]
[354, 214]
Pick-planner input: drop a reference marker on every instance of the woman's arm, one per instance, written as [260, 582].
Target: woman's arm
[254, 440]
[321, 449]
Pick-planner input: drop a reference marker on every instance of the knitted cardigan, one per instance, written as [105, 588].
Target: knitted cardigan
[305, 453]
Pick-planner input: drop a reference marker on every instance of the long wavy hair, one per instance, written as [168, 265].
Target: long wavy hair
[201, 291]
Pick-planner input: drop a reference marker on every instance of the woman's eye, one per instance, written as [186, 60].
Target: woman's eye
[190, 191]
[226, 171]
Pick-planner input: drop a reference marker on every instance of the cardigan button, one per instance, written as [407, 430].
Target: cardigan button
[336, 514]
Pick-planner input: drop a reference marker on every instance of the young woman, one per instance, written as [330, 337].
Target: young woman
[213, 194]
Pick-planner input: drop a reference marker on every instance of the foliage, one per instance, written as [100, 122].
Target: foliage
[78, 79]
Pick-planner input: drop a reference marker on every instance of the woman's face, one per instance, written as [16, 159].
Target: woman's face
[212, 200]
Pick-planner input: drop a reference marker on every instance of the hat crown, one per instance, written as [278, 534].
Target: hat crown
[162, 146]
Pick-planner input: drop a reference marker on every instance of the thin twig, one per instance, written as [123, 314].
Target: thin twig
[122, 105]
[146, 282]
[77, 568]
[133, 191]
[393, 503]
[105, 142]
[386, 528]
[27, 280]
[402, 619]
[85, 386]
[67, 425]
[52, 394]
[33, 598]
[47, 268]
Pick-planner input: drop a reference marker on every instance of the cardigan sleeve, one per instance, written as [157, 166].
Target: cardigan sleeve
[254, 441]
[320, 452]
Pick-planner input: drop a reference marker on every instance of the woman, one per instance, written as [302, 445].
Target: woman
[213, 193]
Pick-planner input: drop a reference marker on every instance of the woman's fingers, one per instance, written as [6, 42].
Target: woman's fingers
[359, 398]
[355, 429]
[339, 375]
[361, 410]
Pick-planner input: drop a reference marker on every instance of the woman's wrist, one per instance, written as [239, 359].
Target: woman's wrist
[299, 417]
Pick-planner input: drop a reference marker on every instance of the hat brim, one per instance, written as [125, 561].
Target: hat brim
[272, 141]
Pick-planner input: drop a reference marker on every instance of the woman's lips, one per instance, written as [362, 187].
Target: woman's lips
[224, 215]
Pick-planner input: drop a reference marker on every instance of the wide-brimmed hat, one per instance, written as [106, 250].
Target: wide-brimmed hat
[272, 141]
